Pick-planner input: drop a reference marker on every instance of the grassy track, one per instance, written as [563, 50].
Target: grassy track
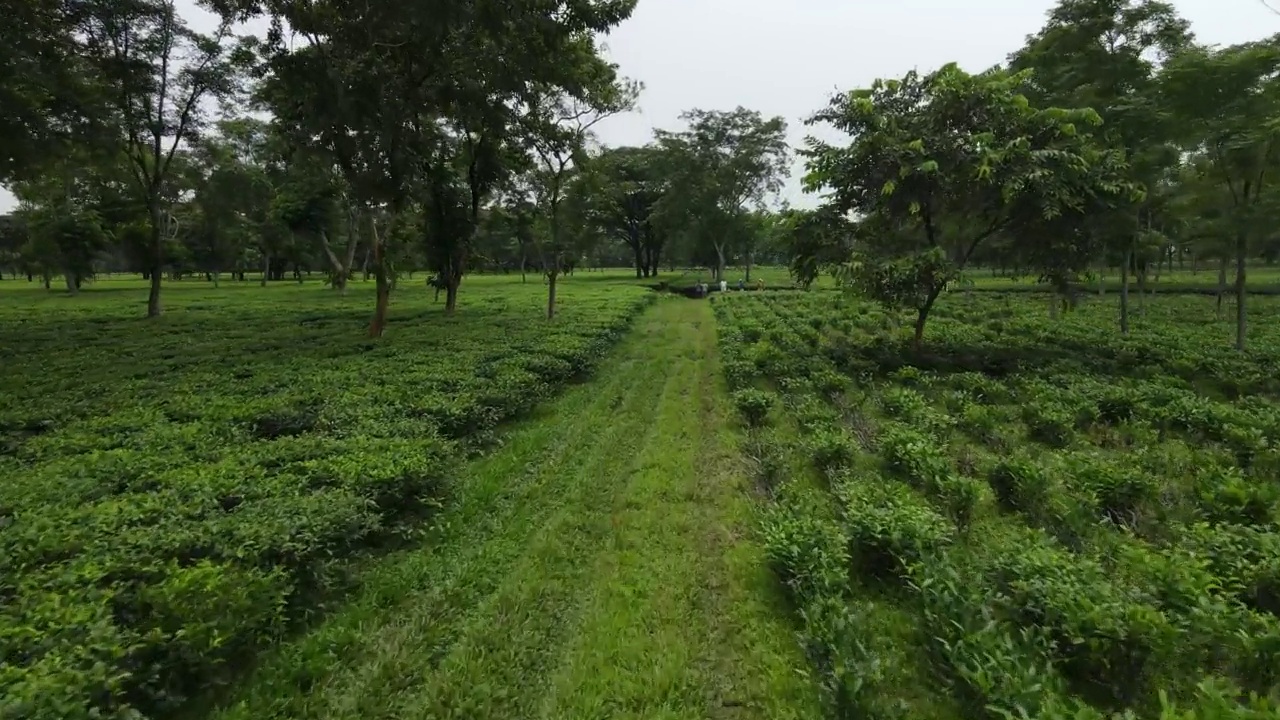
[598, 565]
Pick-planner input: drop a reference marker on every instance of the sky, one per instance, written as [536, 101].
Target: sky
[789, 58]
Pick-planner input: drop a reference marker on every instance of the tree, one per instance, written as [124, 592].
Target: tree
[558, 131]
[64, 230]
[626, 185]
[815, 240]
[940, 163]
[1104, 54]
[419, 103]
[722, 165]
[1229, 100]
[48, 102]
[156, 74]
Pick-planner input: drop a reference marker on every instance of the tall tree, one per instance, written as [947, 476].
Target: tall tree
[1104, 54]
[558, 131]
[721, 166]
[49, 103]
[627, 183]
[418, 103]
[1229, 100]
[940, 163]
[157, 74]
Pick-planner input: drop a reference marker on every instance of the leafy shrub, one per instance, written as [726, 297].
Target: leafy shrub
[739, 373]
[889, 528]
[809, 553]
[832, 450]
[1117, 405]
[206, 480]
[1225, 495]
[1120, 492]
[753, 404]
[1101, 637]
[1245, 559]
[918, 459]
[1020, 484]
[1050, 423]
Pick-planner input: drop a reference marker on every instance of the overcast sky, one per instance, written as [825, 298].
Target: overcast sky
[787, 58]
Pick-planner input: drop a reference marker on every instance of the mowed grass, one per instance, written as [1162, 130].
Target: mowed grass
[600, 564]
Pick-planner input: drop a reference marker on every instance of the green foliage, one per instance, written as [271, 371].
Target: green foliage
[159, 526]
[920, 461]
[890, 528]
[1020, 485]
[753, 404]
[1139, 561]
[942, 162]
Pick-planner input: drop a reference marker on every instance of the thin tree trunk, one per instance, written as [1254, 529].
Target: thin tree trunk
[922, 316]
[750, 259]
[1054, 300]
[1124, 289]
[1241, 244]
[339, 269]
[266, 268]
[1222, 283]
[72, 286]
[379, 322]
[642, 268]
[1142, 290]
[1102, 280]
[551, 294]
[157, 262]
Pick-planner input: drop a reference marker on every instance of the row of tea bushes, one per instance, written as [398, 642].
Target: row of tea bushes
[154, 529]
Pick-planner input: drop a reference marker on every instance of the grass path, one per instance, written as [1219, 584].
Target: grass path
[598, 565]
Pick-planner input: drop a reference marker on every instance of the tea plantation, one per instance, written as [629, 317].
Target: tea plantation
[1054, 520]
[176, 492]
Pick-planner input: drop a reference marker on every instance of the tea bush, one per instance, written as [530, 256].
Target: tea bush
[1125, 561]
[176, 492]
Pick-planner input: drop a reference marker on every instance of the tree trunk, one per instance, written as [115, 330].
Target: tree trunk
[1142, 290]
[48, 279]
[1222, 283]
[451, 296]
[266, 268]
[1054, 300]
[340, 270]
[157, 264]
[922, 316]
[1241, 244]
[551, 294]
[642, 268]
[1102, 281]
[750, 260]
[217, 275]
[379, 322]
[719, 262]
[73, 287]
[1124, 290]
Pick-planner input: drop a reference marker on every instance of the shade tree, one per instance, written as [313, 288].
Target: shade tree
[937, 164]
